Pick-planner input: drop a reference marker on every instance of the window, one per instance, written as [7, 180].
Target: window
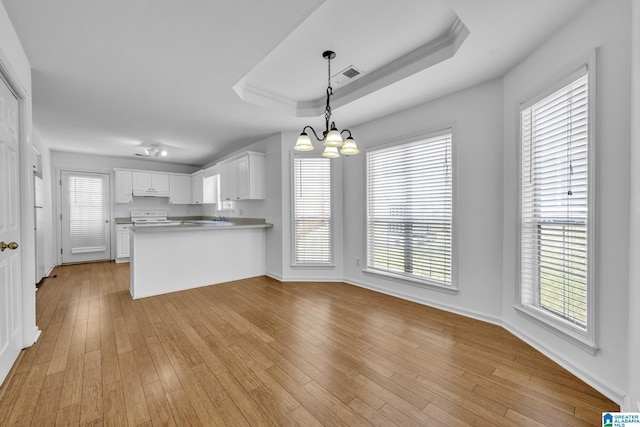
[312, 211]
[555, 238]
[410, 210]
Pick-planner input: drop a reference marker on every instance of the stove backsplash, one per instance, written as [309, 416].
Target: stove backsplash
[156, 203]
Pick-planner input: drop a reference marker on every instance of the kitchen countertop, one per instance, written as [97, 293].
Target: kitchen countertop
[228, 224]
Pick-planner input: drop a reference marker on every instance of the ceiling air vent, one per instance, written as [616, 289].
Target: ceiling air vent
[346, 76]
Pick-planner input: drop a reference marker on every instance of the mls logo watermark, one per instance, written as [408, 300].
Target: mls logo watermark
[620, 419]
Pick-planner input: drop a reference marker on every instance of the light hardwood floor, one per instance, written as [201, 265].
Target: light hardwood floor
[261, 352]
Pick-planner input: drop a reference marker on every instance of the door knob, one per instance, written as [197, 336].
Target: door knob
[12, 246]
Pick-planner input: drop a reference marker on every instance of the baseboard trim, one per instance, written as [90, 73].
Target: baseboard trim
[612, 392]
[48, 273]
[278, 277]
[456, 310]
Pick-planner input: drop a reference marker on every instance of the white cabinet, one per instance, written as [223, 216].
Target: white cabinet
[197, 188]
[124, 188]
[179, 189]
[210, 189]
[150, 184]
[243, 178]
[229, 180]
[252, 177]
[122, 236]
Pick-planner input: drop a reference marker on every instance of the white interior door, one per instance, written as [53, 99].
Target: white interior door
[10, 250]
[85, 217]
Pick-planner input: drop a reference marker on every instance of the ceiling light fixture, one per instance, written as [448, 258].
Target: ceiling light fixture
[332, 137]
[155, 150]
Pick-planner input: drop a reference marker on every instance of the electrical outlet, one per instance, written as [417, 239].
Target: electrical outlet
[357, 261]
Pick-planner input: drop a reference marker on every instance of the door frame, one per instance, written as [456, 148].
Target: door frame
[57, 200]
[30, 331]
[109, 213]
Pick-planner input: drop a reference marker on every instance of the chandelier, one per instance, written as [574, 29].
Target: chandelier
[332, 137]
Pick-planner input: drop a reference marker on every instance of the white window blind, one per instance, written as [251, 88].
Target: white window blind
[554, 202]
[312, 210]
[409, 209]
[86, 213]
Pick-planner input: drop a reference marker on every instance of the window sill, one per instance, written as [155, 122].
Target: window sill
[313, 266]
[562, 329]
[412, 282]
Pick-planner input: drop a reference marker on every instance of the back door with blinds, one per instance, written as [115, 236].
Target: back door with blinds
[85, 217]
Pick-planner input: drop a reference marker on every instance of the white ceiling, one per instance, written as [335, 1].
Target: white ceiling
[109, 77]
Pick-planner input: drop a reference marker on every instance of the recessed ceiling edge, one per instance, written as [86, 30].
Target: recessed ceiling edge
[429, 54]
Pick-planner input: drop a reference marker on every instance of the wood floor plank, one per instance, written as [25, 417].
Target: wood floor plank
[71, 392]
[370, 414]
[49, 337]
[10, 397]
[262, 352]
[158, 405]
[25, 405]
[114, 409]
[145, 367]
[60, 353]
[91, 403]
[182, 410]
[252, 411]
[68, 416]
[48, 401]
[135, 401]
[164, 368]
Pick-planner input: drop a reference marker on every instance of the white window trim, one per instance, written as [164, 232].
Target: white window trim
[586, 340]
[424, 283]
[310, 265]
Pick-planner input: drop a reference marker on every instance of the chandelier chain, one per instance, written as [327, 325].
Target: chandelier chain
[327, 109]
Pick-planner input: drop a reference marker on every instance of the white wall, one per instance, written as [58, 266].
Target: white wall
[273, 211]
[15, 67]
[476, 116]
[604, 25]
[50, 259]
[633, 401]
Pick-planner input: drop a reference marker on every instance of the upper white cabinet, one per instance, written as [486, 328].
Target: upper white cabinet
[124, 186]
[210, 189]
[243, 178]
[150, 184]
[229, 180]
[179, 189]
[197, 191]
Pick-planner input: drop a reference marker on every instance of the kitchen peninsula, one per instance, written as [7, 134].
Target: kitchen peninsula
[191, 254]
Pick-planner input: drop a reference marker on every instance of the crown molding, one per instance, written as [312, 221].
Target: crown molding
[429, 54]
